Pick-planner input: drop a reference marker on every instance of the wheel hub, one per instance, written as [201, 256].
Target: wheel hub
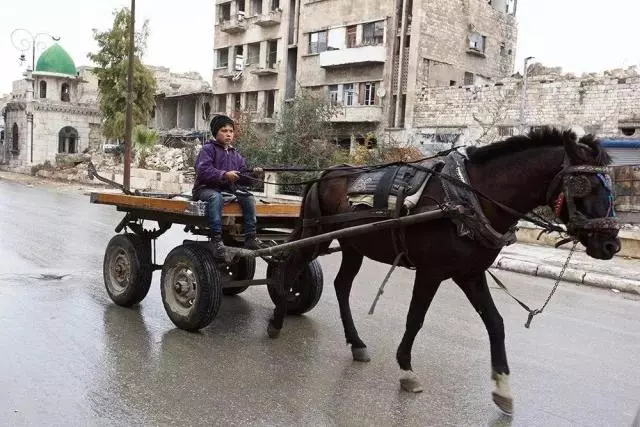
[121, 269]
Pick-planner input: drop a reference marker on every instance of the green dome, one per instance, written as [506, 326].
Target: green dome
[56, 60]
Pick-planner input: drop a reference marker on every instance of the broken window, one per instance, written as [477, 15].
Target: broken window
[15, 138]
[221, 101]
[256, 7]
[373, 33]
[239, 61]
[252, 102]
[253, 53]
[469, 79]
[317, 42]
[241, 7]
[68, 140]
[348, 94]
[224, 12]
[333, 95]
[505, 130]
[351, 36]
[275, 4]
[222, 59]
[270, 101]
[272, 53]
[43, 89]
[65, 94]
[237, 102]
[477, 42]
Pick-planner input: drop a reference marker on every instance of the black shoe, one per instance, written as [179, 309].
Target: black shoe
[218, 246]
[250, 242]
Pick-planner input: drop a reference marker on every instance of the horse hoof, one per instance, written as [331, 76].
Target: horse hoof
[272, 331]
[360, 354]
[409, 382]
[504, 403]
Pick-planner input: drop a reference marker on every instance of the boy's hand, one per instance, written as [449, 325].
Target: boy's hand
[232, 176]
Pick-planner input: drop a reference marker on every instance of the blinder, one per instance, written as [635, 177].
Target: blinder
[573, 183]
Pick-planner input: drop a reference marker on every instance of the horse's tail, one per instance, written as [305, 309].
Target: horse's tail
[310, 202]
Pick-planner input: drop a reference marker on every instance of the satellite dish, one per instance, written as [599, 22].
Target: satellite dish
[381, 92]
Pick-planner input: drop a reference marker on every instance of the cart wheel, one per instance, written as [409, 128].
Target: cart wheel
[127, 269]
[305, 292]
[244, 269]
[191, 287]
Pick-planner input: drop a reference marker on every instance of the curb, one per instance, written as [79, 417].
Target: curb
[572, 275]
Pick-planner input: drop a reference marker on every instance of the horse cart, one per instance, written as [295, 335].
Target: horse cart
[192, 280]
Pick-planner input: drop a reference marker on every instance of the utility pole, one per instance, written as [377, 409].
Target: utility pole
[129, 119]
[523, 101]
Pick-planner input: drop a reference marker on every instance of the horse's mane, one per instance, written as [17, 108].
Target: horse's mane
[542, 137]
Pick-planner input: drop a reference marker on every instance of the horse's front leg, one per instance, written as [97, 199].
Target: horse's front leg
[424, 289]
[477, 291]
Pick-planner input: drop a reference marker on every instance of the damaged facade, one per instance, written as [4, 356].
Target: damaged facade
[367, 58]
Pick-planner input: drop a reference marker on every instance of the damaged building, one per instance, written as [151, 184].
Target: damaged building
[367, 59]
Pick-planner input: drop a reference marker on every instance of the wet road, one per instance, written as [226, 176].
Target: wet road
[71, 357]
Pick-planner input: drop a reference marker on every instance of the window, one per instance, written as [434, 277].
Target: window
[368, 93]
[256, 7]
[65, 94]
[351, 36]
[43, 89]
[253, 53]
[373, 33]
[503, 49]
[505, 131]
[222, 59]
[239, 62]
[270, 100]
[252, 102]
[68, 140]
[348, 94]
[272, 53]
[333, 95]
[237, 101]
[221, 103]
[477, 42]
[15, 138]
[241, 6]
[469, 79]
[224, 12]
[275, 4]
[628, 131]
[317, 42]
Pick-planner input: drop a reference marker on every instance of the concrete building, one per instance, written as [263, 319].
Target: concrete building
[368, 58]
[49, 113]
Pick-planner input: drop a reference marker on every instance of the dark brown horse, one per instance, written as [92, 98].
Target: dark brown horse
[546, 167]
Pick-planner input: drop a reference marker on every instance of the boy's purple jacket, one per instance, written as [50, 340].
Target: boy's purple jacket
[212, 163]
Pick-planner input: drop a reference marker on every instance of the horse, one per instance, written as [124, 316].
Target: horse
[547, 166]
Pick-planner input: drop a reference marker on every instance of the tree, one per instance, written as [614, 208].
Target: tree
[112, 61]
[143, 141]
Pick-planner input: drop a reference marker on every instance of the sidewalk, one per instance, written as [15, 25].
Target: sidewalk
[622, 274]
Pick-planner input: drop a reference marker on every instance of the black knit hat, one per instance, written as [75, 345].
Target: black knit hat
[218, 122]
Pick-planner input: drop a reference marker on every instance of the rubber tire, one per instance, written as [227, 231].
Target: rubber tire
[208, 291]
[244, 269]
[310, 284]
[138, 252]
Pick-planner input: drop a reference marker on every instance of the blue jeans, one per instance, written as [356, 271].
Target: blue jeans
[215, 204]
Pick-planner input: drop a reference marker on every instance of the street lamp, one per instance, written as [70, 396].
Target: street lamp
[524, 94]
[23, 40]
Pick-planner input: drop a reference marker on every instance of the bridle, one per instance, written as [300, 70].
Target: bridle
[572, 183]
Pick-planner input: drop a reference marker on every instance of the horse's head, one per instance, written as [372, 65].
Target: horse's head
[582, 196]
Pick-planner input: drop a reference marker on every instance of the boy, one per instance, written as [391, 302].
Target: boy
[220, 168]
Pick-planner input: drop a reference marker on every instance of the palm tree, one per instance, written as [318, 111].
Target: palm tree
[143, 141]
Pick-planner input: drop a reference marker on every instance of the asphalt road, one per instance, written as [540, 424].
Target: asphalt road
[71, 357]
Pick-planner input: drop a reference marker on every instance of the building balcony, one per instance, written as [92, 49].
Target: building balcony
[358, 114]
[269, 19]
[353, 56]
[233, 26]
[268, 70]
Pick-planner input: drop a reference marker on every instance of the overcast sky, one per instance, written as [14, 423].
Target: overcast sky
[575, 34]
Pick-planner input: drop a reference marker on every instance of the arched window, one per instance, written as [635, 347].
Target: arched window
[68, 140]
[65, 94]
[43, 89]
[15, 138]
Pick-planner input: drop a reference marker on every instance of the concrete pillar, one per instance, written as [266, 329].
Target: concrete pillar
[263, 54]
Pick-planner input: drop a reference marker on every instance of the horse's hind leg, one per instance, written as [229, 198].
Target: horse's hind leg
[477, 291]
[349, 267]
[424, 289]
